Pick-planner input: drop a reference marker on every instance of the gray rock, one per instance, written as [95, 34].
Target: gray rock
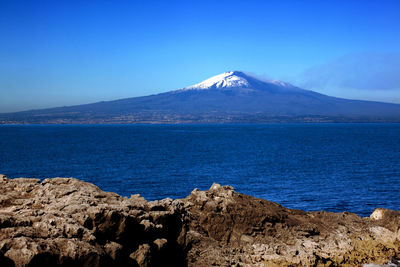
[64, 221]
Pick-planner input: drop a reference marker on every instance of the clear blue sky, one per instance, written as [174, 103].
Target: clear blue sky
[55, 53]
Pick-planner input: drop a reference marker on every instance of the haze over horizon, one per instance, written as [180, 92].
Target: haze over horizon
[76, 52]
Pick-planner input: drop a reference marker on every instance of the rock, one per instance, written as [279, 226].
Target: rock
[64, 221]
[377, 214]
[113, 249]
[160, 243]
[142, 255]
[256, 232]
[3, 178]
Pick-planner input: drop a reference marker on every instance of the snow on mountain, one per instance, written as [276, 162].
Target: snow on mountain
[232, 79]
[228, 97]
[227, 79]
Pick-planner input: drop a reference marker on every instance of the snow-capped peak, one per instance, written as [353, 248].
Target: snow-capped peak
[233, 79]
[227, 79]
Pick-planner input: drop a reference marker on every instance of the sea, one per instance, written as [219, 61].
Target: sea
[332, 167]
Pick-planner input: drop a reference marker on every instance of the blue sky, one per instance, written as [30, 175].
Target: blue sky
[56, 53]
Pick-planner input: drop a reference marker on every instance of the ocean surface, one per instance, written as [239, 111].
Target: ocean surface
[333, 167]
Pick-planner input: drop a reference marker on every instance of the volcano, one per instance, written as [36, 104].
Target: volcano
[228, 97]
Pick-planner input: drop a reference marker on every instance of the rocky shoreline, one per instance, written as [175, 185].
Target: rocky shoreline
[64, 221]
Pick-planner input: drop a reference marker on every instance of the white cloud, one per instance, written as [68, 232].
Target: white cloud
[364, 71]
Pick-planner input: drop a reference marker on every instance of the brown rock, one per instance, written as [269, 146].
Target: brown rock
[226, 227]
[63, 221]
[142, 255]
[161, 243]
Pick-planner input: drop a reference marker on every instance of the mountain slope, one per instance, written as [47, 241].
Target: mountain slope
[228, 97]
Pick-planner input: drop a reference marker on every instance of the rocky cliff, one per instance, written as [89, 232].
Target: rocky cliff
[64, 221]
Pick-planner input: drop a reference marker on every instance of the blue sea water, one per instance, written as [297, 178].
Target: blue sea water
[333, 167]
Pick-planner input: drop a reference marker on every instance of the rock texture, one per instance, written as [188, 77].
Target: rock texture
[64, 221]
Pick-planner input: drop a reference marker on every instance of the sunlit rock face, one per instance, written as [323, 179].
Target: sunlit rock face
[64, 221]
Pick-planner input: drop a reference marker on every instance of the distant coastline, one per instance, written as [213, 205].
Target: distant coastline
[199, 120]
[230, 97]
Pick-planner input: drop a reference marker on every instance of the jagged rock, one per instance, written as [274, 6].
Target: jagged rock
[142, 255]
[235, 228]
[64, 221]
